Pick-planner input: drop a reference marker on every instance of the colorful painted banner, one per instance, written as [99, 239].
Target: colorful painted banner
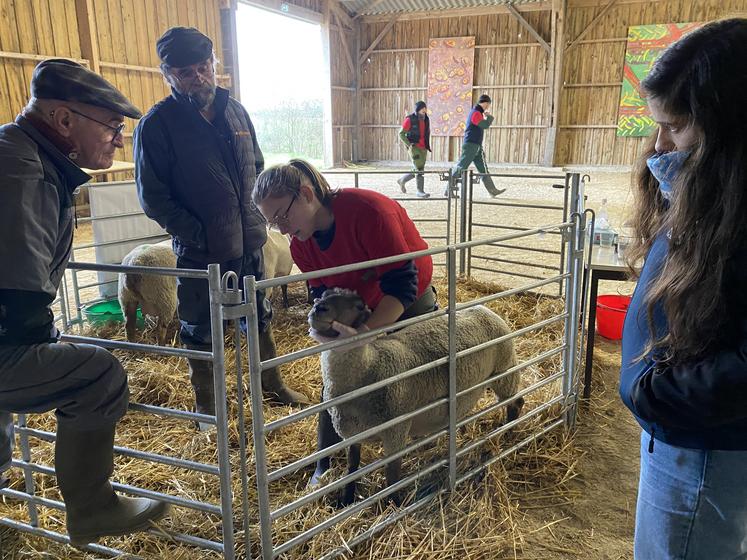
[450, 70]
[645, 44]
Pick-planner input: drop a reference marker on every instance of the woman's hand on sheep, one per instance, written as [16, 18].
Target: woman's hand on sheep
[345, 331]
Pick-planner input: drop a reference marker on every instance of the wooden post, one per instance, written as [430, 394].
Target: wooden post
[327, 132]
[559, 8]
[356, 136]
[230, 46]
[89, 41]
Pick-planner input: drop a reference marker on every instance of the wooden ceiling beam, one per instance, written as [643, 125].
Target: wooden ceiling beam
[528, 26]
[592, 23]
[378, 39]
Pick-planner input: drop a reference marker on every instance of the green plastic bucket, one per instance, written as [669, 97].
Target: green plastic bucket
[104, 312]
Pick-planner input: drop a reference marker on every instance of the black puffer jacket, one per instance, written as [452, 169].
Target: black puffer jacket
[196, 178]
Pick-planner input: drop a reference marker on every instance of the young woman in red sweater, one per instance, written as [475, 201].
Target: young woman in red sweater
[332, 228]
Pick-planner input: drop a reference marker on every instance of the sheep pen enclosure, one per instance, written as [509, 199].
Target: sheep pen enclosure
[478, 514]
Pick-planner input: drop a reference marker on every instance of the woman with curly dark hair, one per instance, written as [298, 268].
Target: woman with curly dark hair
[684, 355]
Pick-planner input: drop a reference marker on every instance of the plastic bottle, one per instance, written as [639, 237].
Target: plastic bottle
[603, 233]
[603, 221]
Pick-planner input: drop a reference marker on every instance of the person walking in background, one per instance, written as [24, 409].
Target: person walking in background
[684, 348]
[478, 121]
[415, 135]
[196, 160]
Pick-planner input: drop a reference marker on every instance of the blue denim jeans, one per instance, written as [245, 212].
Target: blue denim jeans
[692, 504]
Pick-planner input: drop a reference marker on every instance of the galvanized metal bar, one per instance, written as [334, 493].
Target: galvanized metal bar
[134, 453]
[309, 459]
[452, 366]
[381, 525]
[355, 508]
[561, 264]
[243, 458]
[494, 202]
[518, 367]
[120, 241]
[133, 490]
[354, 394]
[495, 406]
[172, 413]
[152, 270]
[512, 449]
[136, 347]
[305, 352]
[28, 477]
[360, 473]
[512, 228]
[520, 248]
[221, 408]
[466, 176]
[520, 263]
[63, 539]
[86, 219]
[520, 176]
[258, 417]
[577, 255]
[508, 273]
[76, 289]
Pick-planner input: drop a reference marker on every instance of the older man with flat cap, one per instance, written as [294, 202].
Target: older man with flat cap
[74, 119]
[196, 160]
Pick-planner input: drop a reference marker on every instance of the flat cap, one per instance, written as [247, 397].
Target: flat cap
[183, 46]
[59, 78]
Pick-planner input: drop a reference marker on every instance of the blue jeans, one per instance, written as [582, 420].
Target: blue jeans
[692, 504]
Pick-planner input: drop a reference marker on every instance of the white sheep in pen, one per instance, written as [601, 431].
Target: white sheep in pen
[278, 261]
[348, 369]
[155, 294]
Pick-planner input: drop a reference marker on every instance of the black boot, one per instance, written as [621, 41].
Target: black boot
[402, 181]
[420, 182]
[273, 386]
[84, 461]
[201, 377]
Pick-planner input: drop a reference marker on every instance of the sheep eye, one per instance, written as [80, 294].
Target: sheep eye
[321, 307]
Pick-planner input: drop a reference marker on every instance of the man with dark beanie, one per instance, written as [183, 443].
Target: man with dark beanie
[74, 119]
[478, 121]
[196, 160]
[415, 134]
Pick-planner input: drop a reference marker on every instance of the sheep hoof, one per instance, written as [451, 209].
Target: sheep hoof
[287, 396]
[4, 481]
[319, 479]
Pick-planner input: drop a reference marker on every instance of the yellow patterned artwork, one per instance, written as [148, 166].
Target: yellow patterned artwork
[450, 70]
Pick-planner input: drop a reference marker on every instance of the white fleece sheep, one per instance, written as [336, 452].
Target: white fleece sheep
[278, 262]
[154, 294]
[348, 369]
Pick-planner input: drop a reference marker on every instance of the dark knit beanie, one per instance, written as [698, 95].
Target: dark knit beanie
[484, 98]
[420, 105]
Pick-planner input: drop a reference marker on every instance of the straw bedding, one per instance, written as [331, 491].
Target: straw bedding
[481, 519]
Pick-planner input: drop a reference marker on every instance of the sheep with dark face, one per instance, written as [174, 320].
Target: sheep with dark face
[350, 368]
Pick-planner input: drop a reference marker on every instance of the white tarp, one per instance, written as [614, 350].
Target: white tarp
[120, 234]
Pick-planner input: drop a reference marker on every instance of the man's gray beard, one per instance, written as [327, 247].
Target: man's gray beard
[202, 99]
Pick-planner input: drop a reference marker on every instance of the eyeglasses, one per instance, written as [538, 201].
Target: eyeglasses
[184, 73]
[282, 219]
[117, 130]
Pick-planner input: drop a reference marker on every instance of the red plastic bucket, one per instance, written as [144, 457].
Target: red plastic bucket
[611, 311]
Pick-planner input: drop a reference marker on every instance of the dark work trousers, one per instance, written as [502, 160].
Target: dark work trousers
[85, 384]
[193, 297]
[326, 434]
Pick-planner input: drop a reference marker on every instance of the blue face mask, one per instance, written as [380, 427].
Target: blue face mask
[665, 167]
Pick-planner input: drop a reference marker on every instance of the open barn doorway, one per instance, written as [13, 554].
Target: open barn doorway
[281, 68]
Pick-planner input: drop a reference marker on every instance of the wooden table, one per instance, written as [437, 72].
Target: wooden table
[116, 167]
[605, 265]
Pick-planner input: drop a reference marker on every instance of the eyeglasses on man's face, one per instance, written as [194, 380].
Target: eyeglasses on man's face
[282, 219]
[117, 130]
[187, 73]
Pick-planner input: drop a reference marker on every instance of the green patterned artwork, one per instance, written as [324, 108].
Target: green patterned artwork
[645, 44]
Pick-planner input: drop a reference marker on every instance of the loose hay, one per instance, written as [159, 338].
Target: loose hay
[481, 519]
